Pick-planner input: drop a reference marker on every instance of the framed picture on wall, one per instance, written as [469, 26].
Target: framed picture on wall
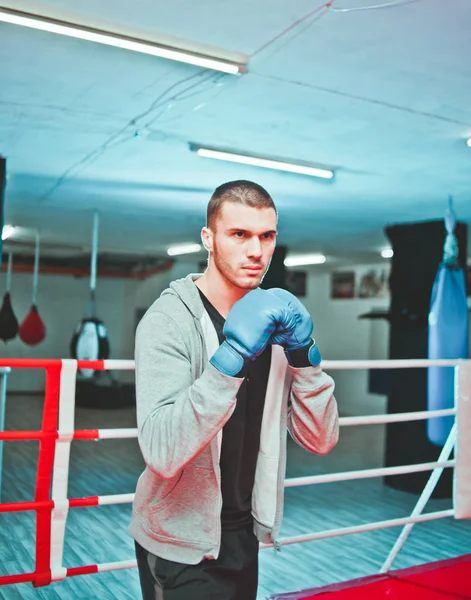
[296, 283]
[342, 284]
[373, 283]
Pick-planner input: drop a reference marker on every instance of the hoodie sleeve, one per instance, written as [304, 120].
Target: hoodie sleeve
[313, 420]
[177, 417]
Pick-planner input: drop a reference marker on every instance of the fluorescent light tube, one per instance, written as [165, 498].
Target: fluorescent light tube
[183, 249]
[305, 259]
[387, 253]
[468, 142]
[263, 162]
[7, 231]
[119, 41]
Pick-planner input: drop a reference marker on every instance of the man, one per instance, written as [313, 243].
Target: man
[223, 369]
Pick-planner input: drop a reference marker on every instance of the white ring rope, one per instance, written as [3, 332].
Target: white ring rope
[110, 434]
[396, 418]
[322, 535]
[367, 473]
[406, 363]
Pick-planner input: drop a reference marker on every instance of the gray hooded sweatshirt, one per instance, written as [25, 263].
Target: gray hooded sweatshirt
[183, 403]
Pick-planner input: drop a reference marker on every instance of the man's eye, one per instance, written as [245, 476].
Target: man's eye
[239, 234]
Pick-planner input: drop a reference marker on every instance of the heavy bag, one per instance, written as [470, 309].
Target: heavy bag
[448, 338]
[8, 321]
[32, 330]
[90, 342]
[447, 333]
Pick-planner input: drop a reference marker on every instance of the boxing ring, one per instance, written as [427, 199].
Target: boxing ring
[51, 503]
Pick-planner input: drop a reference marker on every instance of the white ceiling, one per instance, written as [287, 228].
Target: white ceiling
[381, 95]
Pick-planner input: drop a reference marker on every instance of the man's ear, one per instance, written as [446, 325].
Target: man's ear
[207, 238]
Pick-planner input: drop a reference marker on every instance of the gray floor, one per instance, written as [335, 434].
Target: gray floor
[98, 534]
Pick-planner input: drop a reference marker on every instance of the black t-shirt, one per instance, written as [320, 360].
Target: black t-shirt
[241, 435]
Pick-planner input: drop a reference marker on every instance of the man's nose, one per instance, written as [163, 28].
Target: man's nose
[255, 248]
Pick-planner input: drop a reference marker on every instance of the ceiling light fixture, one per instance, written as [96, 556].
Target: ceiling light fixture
[7, 231]
[183, 249]
[266, 163]
[304, 259]
[90, 34]
[387, 253]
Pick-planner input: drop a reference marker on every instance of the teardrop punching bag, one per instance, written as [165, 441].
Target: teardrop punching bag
[8, 320]
[90, 338]
[447, 332]
[32, 330]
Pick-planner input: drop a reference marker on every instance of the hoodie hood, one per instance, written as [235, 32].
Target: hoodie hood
[187, 291]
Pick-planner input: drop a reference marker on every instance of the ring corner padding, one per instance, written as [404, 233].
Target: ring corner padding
[462, 477]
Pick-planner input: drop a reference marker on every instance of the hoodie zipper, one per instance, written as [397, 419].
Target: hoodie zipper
[218, 478]
[214, 445]
[278, 513]
[216, 467]
[280, 482]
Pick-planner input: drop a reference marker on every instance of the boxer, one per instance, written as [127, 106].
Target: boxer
[223, 370]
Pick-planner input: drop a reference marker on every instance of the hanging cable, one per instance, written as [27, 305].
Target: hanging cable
[103, 147]
[9, 270]
[93, 263]
[328, 7]
[391, 4]
[36, 269]
[163, 105]
[324, 6]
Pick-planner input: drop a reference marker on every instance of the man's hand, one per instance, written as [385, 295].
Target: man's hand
[248, 329]
[300, 348]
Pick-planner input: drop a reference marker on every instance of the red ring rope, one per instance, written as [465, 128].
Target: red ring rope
[79, 434]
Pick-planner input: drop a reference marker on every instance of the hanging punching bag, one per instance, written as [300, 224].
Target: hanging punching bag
[32, 330]
[8, 320]
[90, 339]
[90, 342]
[448, 332]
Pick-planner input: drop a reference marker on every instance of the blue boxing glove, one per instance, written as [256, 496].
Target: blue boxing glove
[248, 329]
[300, 349]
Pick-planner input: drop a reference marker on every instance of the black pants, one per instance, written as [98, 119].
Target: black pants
[232, 576]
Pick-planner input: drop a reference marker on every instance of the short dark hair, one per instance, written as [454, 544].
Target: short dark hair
[240, 192]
